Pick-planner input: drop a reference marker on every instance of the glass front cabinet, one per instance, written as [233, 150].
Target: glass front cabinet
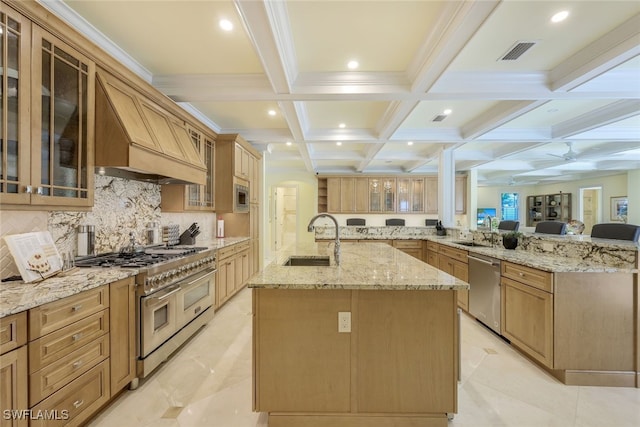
[410, 195]
[382, 193]
[47, 154]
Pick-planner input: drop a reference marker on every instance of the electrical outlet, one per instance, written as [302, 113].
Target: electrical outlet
[344, 321]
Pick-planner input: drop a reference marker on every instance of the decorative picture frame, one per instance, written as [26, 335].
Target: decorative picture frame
[619, 206]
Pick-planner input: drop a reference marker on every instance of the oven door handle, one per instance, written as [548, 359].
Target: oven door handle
[200, 276]
[165, 294]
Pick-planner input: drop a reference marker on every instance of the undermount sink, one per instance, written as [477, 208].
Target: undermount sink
[467, 243]
[308, 261]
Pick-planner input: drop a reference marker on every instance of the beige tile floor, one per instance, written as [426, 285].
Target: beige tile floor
[208, 384]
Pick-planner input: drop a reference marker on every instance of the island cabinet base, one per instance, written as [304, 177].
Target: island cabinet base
[396, 367]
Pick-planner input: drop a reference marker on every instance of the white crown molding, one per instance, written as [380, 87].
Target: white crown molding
[71, 17]
[198, 115]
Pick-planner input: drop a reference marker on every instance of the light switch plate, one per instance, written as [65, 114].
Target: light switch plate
[344, 321]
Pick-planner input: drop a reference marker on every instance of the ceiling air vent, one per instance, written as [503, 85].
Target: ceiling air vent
[439, 118]
[517, 50]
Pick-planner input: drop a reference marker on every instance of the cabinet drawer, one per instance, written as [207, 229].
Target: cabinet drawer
[13, 331]
[242, 246]
[454, 253]
[226, 252]
[432, 246]
[61, 372]
[78, 400]
[58, 344]
[55, 315]
[529, 276]
[407, 244]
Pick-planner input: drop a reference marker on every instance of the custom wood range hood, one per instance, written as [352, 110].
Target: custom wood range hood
[137, 139]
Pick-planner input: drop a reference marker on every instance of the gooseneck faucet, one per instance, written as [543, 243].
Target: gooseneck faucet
[336, 250]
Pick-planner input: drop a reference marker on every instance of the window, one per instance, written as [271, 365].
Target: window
[509, 203]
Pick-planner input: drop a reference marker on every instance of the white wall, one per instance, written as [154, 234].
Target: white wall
[614, 185]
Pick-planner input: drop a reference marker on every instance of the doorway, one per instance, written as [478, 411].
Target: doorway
[590, 212]
[286, 217]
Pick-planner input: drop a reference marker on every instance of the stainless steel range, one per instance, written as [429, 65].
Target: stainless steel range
[175, 290]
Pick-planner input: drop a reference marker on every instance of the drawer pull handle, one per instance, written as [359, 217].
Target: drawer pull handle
[77, 364]
[78, 403]
[76, 337]
[521, 274]
[76, 308]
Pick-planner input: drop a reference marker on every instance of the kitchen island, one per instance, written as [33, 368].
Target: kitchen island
[371, 342]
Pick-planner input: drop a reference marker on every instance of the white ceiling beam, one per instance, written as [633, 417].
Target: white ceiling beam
[496, 116]
[609, 51]
[372, 152]
[603, 116]
[259, 20]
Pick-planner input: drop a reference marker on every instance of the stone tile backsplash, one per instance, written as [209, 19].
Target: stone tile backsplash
[120, 206]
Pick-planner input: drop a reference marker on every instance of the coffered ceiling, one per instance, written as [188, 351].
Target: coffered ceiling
[567, 108]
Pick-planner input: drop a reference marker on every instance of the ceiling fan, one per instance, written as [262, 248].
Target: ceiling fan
[569, 156]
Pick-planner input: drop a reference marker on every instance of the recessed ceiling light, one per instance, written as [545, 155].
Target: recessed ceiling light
[447, 111]
[225, 24]
[339, 143]
[410, 143]
[560, 16]
[289, 143]
[353, 65]
[272, 112]
[342, 125]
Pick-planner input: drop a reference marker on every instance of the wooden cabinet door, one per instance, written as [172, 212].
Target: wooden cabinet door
[122, 313]
[361, 195]
[333, 195]
[241, 162]
[254, 180]
[347, 195]
[232, 275]
[13, 377]
[461, 194]
[431, 195]
[14, 115]
[527, 319]
[221, 283]
[62, 107]
[461, 271]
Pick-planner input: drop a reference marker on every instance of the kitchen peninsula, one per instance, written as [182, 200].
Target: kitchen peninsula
[373, 341]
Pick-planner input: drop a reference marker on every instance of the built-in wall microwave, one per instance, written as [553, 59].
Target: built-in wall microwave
[241, 198]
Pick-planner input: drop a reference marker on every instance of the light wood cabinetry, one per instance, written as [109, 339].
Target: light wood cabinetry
[194, 197]
[410, 247]
[51, 102]
[352, 378]
[399, 194]
[411, 195]
[322, 195]
[236, 162]
[454, 262]
[122, 327]
[234, 270]
[548, 207]
[69, 348]
[527, 310]
[13, 367]
[431, 190]
[382, 195]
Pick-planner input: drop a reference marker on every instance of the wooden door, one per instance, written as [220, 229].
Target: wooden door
[13, 377]
[361, 195]
[122, 328]
[431, 195]
[333, 195]
[347, 195]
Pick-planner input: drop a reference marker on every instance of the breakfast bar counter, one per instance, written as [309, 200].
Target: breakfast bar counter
[373, 341]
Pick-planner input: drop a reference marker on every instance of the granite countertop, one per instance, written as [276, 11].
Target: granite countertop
[18, 296]
[375, 266]
[541, 261]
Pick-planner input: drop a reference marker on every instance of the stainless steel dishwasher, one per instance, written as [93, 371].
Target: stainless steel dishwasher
[484, 290]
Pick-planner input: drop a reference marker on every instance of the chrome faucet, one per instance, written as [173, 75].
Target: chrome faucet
[484, 223]
[336, 250]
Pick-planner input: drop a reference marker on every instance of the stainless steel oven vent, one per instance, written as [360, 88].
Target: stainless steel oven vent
[517, 50]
